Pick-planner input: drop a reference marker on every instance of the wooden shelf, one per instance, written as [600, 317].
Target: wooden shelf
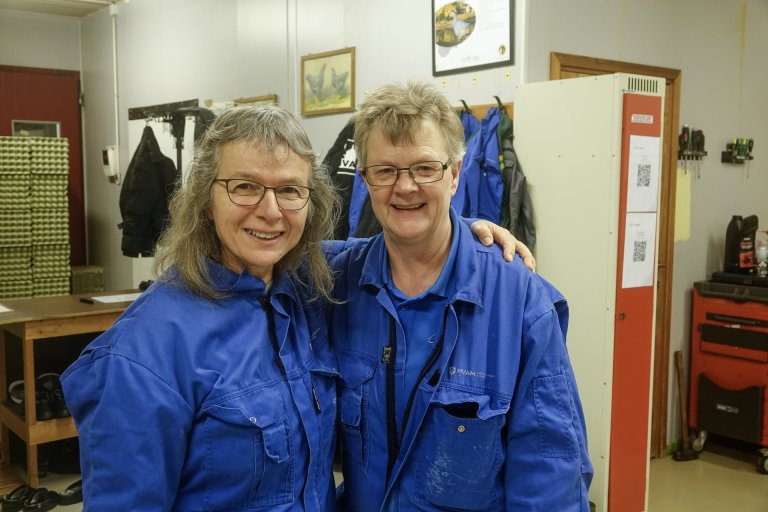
[31, 320]
[42, 431]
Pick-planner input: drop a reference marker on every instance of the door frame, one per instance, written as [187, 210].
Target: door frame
[563, 66]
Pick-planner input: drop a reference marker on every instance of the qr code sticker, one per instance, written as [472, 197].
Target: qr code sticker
[644, 175]
[639, 251]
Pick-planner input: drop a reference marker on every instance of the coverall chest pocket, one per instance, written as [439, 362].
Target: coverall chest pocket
[249, 460]
[460, 456]
[353, 409]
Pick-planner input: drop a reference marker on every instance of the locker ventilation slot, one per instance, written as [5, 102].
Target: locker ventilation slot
[637, 84]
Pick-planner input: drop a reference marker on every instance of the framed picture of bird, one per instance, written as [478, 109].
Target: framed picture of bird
[328, 82]
[471, 34]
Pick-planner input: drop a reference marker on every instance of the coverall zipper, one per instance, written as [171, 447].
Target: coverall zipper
[276, 347]
[388, 358]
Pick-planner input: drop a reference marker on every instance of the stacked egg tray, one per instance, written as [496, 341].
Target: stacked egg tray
[50, 261]
[50, 269]
[15, 272]
[15, 170]
[34, 217]
[50, 216]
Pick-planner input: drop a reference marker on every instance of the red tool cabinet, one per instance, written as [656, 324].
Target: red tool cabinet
[729, 364]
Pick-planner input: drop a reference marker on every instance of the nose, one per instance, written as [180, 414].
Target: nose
[267, 206]
[404, 182]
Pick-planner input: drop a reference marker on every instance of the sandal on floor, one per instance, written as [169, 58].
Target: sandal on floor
[41, 500]
[72, 494]
[14, 500]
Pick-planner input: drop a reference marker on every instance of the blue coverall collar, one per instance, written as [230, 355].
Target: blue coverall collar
[467, 283]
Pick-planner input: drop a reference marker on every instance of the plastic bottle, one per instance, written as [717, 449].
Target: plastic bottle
[761, 254]
[733, 244]
[747, 254]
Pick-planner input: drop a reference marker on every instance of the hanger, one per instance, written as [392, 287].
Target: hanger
[466, 107]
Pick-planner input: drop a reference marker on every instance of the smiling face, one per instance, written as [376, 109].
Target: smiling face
[257, 237]
[413, 214]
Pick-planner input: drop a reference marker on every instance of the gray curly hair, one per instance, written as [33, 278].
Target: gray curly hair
[191, 237]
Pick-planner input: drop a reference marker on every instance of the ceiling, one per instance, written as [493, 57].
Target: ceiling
[74, 8]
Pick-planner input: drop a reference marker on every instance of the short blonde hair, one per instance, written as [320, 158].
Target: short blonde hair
[399, 110]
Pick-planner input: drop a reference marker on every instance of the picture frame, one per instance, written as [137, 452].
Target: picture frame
[465, 38]
[219, 106]
[328, 82]
[256, 101]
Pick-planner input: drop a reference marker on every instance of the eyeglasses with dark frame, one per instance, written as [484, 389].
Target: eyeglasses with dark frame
[249, 193]
[420, 172]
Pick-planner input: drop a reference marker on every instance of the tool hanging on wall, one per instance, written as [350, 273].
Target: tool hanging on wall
[739, 151]
[691, 149]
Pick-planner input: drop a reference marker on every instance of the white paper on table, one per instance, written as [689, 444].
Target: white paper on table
[109, 299]
[5, 309]
[643, 174]
[639, 250]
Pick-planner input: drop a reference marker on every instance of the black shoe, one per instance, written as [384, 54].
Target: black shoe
[72, 494]
[43, 401]
[41, 500]
[14, 500]
[52, 385]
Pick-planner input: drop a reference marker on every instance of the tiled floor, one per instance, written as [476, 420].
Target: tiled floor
[723, 479]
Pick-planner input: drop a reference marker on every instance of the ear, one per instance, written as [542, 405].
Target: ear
[365, 182]
[455, 170]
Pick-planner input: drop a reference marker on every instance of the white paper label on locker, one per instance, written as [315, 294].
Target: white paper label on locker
[641, 119]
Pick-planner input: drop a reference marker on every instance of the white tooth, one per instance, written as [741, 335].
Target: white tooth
[260, 234]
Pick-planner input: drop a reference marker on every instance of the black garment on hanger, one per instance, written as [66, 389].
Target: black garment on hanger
[341, 161]
[148, 184]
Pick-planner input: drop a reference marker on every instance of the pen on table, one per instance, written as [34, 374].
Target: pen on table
[87, 300]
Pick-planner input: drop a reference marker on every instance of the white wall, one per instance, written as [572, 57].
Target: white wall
[39, 40]
[102, 215]
[170, 50]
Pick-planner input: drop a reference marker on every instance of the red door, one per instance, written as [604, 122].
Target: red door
[35, 94]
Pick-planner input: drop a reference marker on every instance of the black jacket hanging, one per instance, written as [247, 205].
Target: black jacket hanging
[148, 184]
[341, 161]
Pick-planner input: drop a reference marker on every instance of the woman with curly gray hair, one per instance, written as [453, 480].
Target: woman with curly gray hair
[215, 390]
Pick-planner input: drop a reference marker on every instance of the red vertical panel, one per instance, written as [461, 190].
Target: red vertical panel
[633, 336]
[34, 94]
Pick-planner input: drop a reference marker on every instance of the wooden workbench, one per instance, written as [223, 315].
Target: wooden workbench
[32, 320]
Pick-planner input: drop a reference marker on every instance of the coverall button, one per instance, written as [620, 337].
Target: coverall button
[461, 428]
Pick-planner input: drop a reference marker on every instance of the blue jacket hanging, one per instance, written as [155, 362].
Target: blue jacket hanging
[481, 188]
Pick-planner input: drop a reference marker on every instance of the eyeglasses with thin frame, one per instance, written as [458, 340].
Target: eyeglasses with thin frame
[249, 193]
[419, 172]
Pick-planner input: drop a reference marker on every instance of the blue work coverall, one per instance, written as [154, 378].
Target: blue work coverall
[183, 406]
[494, 423]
